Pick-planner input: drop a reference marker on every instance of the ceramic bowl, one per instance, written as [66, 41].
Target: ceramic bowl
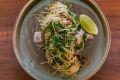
[30, 57]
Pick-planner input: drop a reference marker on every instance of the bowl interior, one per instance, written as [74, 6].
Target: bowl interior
[30, 57]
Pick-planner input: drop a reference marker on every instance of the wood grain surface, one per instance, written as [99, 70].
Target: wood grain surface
[9, 66]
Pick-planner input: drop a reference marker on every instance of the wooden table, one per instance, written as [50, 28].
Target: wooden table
[9, 66]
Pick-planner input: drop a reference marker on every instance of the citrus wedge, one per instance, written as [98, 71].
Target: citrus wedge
[88, 24]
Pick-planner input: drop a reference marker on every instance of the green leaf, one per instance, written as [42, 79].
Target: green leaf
[88, 24]
[79, 27]
[85, 36]
[80, 46]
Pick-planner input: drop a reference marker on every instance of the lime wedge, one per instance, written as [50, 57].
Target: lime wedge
[88, 24]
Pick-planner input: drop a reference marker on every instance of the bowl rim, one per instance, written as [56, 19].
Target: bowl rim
[93, 4]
